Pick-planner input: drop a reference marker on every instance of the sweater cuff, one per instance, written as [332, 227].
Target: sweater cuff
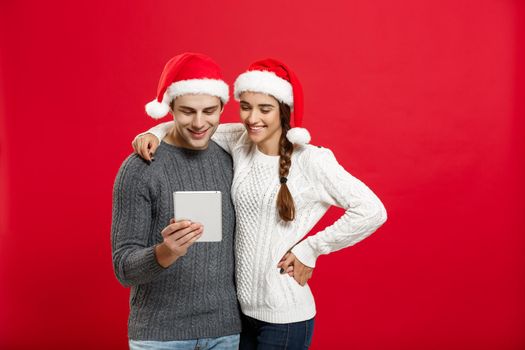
[159, 134]
[305, 253]
[149, 266]
[154, 265]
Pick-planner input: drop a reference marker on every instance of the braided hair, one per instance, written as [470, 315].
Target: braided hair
[285, 203]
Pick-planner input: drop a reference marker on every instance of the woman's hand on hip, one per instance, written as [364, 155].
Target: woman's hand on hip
[295, 268]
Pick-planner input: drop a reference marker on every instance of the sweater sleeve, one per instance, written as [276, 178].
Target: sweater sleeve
[364, 212]
[134, 260]
[226, 135]
[159, 130]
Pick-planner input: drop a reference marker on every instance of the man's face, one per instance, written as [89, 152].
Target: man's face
[196, 119]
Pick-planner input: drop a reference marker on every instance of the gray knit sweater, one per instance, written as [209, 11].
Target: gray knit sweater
[195, 297]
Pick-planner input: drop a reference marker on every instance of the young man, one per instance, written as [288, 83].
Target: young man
[182, 291]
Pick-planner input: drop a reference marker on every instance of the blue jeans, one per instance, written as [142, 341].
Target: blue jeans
[229, 342]
[259, 335]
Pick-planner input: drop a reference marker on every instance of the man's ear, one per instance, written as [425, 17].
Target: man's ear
[172, 106]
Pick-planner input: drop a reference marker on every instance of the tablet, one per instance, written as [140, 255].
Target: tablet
[204, 207]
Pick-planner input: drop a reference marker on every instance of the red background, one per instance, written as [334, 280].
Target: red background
[422, 100]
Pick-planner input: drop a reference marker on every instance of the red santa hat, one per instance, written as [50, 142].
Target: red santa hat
[274, 78]
[187, 73]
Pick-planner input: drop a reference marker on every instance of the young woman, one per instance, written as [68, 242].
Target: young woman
[282, 186]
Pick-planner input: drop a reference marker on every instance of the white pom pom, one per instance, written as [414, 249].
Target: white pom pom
[299, 136]
[156, 109]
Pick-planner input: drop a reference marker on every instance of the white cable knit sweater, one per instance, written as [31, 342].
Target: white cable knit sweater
[316, 182]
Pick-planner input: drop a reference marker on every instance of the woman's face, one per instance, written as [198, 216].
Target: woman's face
[261, 117]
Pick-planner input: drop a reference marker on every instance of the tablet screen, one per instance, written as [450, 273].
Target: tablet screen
[204, 207]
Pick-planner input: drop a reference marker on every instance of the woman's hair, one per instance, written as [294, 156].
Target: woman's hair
[285, 204]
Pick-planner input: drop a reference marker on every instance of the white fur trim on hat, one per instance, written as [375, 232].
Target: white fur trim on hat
[212, 87]
[265, 82]
[299, 136]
